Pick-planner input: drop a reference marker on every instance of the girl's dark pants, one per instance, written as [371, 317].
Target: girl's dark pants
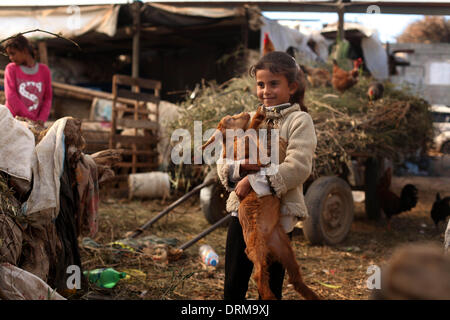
[238, 268]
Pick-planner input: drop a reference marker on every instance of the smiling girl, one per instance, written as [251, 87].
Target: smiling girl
[280, 87]
[28, 85]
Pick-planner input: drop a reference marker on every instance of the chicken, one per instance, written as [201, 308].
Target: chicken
[375, 91]
[317, 77]
[441, 209]
[343, 80]
[267, 45]
[390, 202]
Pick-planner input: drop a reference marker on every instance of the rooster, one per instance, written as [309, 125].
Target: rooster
[317, 77]
[267, 45]
[343, 80]
[390, 202]
[440, 210]
[375, 91]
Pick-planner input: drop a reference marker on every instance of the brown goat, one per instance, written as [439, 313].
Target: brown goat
[260, 219]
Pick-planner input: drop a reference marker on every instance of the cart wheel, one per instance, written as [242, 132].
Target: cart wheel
[330, 206]
[445, 149]
[213, 200]
[371, 201]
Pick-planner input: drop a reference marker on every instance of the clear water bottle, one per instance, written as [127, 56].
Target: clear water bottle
[208, 256]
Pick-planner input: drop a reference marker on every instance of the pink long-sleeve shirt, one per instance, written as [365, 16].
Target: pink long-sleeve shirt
[28, 95]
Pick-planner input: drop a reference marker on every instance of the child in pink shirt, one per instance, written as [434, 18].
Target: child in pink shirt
[28, 84]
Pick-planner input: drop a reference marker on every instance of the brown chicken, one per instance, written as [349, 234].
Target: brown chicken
[317, 77]
[343, 80]
[375, 91]
[390, 202]
[267, 45]
[260, 220]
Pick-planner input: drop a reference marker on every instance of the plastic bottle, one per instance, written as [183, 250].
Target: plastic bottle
[208, 256]
[104, 277]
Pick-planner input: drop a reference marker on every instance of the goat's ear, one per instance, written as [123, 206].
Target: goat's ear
[210, 140]
[438, 197]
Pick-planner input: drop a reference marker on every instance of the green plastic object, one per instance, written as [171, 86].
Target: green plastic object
[104, 277]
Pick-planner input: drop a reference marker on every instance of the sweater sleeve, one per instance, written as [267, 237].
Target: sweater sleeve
[297, 165]
[225, 171]
[47, 98]
[13, 101]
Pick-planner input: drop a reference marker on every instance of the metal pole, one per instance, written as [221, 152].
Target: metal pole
[171, 207]
[186, 245]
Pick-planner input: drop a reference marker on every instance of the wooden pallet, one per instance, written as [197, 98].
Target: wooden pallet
[140, 143]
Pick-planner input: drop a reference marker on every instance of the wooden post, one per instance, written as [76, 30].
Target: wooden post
[341, 31]
[136, 38]
[43, 55]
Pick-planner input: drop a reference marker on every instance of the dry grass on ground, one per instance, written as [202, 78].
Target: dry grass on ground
[336, 273]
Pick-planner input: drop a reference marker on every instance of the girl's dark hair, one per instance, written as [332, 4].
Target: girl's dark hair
[20, 43]
[280, 62]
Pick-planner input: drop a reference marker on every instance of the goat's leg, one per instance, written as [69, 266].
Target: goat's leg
[257, 252]
[258, 255]
[280, 247]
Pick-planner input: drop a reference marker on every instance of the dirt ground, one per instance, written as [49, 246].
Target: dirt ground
[334, 272]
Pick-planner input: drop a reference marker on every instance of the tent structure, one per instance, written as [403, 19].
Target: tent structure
[177, 45]
[367, 43]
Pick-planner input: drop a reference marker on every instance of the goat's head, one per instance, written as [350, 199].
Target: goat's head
[238, 121]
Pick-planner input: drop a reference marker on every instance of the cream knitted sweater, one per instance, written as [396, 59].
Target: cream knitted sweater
[297, 128]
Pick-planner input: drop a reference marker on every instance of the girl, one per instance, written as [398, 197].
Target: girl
[280, 87]
[28, 87]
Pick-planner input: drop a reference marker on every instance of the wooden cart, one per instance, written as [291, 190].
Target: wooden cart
[329, 200]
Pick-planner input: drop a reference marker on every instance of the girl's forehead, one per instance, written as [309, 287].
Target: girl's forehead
[268, 75]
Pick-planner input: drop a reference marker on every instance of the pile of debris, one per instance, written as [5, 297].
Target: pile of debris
[49, 194]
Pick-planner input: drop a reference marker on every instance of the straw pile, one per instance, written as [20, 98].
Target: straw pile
[393, 127]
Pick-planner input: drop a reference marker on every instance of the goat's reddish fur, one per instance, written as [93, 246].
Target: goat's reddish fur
[264, 236]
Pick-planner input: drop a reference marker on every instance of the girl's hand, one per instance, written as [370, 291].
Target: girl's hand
[243, 188]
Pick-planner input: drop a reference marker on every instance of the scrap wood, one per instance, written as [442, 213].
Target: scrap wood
[104, 160]
[108, 157]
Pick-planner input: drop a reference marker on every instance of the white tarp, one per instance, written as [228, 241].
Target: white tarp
[68, 21]
[197, 11]
[284, 37]
[17, 146]
[375, 56]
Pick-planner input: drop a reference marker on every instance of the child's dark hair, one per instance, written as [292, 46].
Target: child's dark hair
[20, 43]
[281, 62]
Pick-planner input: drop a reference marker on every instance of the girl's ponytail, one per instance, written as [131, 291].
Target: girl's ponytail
[299, 95]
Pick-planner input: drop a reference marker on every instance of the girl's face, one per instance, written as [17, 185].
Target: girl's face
[19, 57]
[273, 89]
